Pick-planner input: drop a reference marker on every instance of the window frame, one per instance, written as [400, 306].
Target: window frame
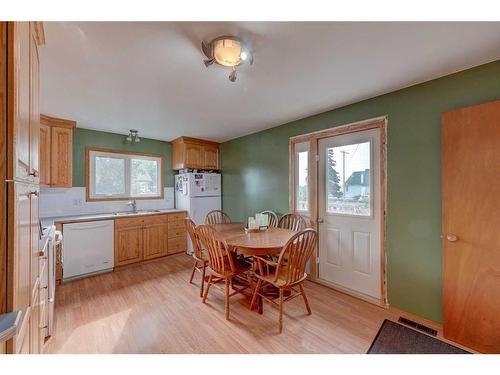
[313, 138]
[89, 168]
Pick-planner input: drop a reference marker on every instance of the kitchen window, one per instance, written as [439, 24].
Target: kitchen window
[115, 175]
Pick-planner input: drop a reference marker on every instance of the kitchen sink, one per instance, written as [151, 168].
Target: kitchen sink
[138, 212]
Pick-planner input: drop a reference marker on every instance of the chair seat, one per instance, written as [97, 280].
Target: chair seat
[240, 266]
[203, 258]
[280, 281]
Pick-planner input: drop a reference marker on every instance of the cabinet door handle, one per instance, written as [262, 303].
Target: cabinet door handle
[35, 193]
[34, 174]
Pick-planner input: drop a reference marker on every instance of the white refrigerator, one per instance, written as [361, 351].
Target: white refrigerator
[198, 194]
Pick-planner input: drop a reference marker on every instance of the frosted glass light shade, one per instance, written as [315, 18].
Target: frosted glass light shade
[227, 52]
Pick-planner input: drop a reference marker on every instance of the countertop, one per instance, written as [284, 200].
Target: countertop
[48, 221]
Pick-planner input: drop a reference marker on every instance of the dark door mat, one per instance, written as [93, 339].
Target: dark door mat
[394, 338]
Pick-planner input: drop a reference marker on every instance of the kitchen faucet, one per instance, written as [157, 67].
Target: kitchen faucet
[133, 204]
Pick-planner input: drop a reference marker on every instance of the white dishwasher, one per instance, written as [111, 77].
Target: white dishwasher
[88, 248]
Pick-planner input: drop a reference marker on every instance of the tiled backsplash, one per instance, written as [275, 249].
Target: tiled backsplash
[67, 202]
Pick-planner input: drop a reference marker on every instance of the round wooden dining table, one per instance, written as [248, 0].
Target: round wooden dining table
[265, 242]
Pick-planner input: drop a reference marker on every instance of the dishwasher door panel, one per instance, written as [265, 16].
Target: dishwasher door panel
[88, 247]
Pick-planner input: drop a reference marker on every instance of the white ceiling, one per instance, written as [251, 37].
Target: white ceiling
[150, 76]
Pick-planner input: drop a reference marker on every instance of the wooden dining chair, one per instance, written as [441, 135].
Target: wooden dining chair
[293, 222]
[199, 255]
[217, 217]
[223, 265]
[287, 273]
[273, 218]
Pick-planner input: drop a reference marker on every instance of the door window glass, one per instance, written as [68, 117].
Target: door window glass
[348, 182]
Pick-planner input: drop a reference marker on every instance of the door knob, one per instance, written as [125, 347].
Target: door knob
[451, 237]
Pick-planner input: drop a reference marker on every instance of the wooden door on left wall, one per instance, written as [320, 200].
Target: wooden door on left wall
[471, 217]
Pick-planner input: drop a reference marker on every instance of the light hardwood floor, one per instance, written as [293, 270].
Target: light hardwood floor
[151, 308]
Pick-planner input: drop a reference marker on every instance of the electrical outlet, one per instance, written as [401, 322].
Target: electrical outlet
[77, 202]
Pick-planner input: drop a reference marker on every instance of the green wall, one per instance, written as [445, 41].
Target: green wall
[94, 138]
[255, 175]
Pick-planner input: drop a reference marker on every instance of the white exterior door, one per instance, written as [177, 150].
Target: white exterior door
[349, 212]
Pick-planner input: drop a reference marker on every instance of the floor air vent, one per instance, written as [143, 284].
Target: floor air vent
[418, 326]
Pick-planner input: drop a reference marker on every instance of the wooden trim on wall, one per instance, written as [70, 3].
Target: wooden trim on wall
[313, 203]
[88, 149]
[39, 33]
[59, 122]
[3, 169]
[313, 138]
[10, 160]
[195, 140]
[291, 176]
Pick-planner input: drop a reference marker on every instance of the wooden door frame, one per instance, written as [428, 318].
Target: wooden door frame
[313, 139]
[3, 169]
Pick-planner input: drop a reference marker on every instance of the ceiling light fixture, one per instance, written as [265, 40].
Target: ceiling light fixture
[226, 51]
[133, 136]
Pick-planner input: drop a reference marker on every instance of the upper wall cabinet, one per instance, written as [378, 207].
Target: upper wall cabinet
[20, 86]
[194, 153]
[56, 152]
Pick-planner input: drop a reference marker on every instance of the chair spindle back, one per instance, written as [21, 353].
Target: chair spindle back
[273, 218]
[293, 222]
[217, 217]
[294, 256]
[195, 239]
[216, 248]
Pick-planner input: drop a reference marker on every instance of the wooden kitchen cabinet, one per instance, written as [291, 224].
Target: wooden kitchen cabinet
[155, 240]
[44, 159]
[128, 244]
[34, 124]
[194, 153]
[210, 157]
[192, 156]
[19, 97]
[147, 237]
[176, 245]
[176, 233]
[21, 86]
[22, 273]
[56, 152]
